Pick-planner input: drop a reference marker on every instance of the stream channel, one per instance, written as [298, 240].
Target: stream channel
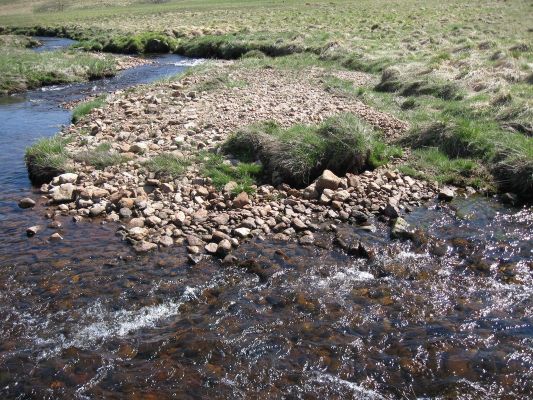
[86, 318]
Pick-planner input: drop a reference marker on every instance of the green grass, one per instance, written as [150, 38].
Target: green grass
[46, 158]
[167, 164]
[100, 157]
[300, 153]
[221, 172]
[86, 107]
[22, 69]
[433, 165]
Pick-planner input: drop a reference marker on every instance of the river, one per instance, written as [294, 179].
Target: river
[450, 316]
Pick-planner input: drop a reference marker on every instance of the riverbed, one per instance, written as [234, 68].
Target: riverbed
[446, 316]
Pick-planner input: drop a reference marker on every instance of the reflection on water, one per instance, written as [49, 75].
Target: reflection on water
[86, 318]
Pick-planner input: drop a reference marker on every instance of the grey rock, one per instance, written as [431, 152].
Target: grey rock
[26, 202]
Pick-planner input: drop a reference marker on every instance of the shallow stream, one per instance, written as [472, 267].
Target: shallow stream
[451, 317]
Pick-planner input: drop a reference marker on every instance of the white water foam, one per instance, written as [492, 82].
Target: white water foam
[114, 324]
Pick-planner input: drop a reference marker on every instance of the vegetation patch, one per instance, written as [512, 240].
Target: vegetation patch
[222, 171]
[46, 159]
[167, 164]
[22, 69]
[220, 81]
[299, 154]
[100, 157]
[433, 165]
[392, 80]
[140, 43]
[86, 107]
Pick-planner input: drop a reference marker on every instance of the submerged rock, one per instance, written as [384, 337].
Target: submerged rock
[26, 202]
[402, 230]
[32, 230]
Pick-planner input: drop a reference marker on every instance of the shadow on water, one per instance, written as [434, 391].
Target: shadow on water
[449, 317]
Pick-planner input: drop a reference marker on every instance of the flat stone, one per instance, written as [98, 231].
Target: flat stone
[136, 222]
[26, 202]
[298, 224]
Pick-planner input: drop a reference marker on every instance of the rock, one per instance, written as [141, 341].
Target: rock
[167, 188]
[136, 222]
[63, 193]
[137, 233]
[298, 224]
[126, 202]
[194, 249]
[230, 187]
[125, 212]
[194, 258]
[26, 202]
[224, 247]
[306, 239]
[211, 248]
[68, 178]
[241, 200]
[446, 194]
[219, 236]
[194, 241]
[139, 148]
[55, 237]
[144, 247]
[96, 210]
[55, 225]
[152, 221]
[221, 219]
[507, 198]
[166, 241]
[391, 210]
[328, 180]
[310, 192]
[32, 230]
[402, 230]
[242, 232]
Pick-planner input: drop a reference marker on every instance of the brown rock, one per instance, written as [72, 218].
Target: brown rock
[241, 200]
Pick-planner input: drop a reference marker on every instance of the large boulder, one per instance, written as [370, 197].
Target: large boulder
[328, 180]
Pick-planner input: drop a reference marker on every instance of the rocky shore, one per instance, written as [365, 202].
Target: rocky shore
[196, 114]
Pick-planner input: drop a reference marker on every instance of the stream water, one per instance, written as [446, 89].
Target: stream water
[86, 318]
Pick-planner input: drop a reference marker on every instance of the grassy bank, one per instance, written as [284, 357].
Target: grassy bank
[22, 69]
[460, 73]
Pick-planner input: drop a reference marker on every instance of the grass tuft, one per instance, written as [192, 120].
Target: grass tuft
[299, 154]
[221, 172]
[86, 107]
[46, 159]
[167, 164]
[100, 157]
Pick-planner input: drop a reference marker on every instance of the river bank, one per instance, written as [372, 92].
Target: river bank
[379, 280]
